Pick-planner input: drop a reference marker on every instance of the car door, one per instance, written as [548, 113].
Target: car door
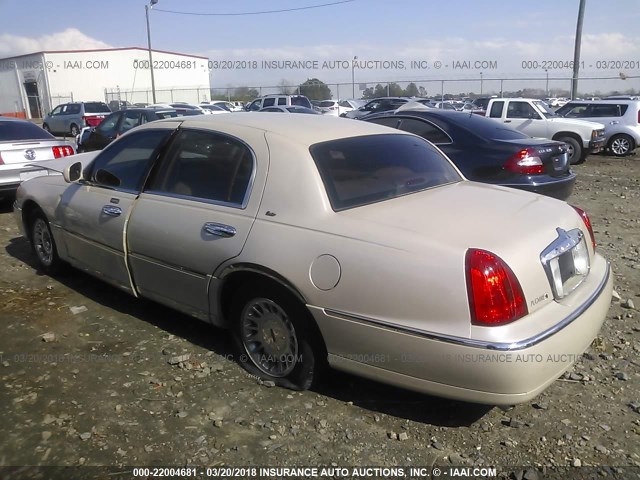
[523, 117]
[59, 120]
[54, 116]
[195, 213]
[94, 212]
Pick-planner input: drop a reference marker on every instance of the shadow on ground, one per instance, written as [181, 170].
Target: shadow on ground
[341, 386]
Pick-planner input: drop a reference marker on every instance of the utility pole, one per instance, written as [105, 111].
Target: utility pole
[576, 51]
[153, 82]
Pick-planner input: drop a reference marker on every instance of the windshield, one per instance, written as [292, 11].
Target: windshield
[357, 171]
[544, 108]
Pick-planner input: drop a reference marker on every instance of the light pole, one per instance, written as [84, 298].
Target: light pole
[353, 78]
[546, 70]
[480, 83]
[153, 82]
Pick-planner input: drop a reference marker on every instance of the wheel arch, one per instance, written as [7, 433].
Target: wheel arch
[29, 207]
[573, 135]
[233, 276]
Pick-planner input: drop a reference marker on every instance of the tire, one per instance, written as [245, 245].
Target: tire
[575, 150]
[43, 244]
[621, 145]
[46, 127]
[74, 130]
[275, 336]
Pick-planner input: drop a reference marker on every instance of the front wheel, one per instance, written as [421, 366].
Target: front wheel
[44, 245]
[46, 127]
[275, 337]
[574, 151]
[620, 145]
[74, 130]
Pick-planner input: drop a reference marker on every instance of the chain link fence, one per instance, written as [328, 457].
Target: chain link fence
[439, 88]
[172, 95]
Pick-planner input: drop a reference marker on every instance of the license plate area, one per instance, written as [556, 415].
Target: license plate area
[566, 262]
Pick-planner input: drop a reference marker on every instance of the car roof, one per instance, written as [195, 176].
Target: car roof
[13, 119]
[611, 101]
[300, 129]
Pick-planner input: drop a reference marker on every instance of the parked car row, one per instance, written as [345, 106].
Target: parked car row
[324, 241]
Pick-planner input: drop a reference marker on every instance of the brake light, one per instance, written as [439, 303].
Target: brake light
[92, 121]
[495, 295]
[62, 151]
[525, 162]
[638, 116]
[1, 161]
[587, 223]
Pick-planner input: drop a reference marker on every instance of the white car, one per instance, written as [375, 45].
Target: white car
[315, 239]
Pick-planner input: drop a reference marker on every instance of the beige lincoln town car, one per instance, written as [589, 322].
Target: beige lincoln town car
[320, 240]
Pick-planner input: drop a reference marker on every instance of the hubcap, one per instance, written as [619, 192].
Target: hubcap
[268, 337]
[43, 242]
[620, 146]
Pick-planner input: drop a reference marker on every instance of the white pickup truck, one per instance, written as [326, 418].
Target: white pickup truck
[534, 118]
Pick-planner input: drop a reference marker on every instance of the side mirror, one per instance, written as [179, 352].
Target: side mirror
[72, 173]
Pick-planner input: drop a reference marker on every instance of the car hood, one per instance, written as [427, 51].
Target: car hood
[576, 122]
[463, 215]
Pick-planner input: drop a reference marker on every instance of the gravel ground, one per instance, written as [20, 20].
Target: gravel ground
[91, 376]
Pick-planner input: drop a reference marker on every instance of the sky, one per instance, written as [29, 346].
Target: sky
[403, 40]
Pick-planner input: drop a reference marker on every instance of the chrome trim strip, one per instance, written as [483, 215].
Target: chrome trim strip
[469, 342]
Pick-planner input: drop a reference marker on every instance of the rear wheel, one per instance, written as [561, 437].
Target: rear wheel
[575, 150]
[620, 145]
[275, 336]
[43, 244]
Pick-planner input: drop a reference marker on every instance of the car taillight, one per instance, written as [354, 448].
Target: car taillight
[495, 295]
[587, 223]
[62, 151]
[92, 121]
[525, 162]
[638, 116]
[1, 161]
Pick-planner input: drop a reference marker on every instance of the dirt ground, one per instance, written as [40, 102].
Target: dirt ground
[92, 376]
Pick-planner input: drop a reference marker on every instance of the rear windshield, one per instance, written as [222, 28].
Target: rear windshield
[360, 170]
[301, 101]
[487, 128]
[14, 130]
[96, 107]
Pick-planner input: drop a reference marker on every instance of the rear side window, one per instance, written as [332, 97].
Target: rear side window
[358, 171]
[327, 104]
[282, 101]
[72, 109]
[301, 101]
[205, 165]
[96, 107]
[386, 121]
[425, 130]
[16, 130]
[606, 110]
[268, 102]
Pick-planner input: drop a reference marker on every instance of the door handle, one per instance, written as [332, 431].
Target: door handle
[112, 210]
[507, 121]
[219, 229]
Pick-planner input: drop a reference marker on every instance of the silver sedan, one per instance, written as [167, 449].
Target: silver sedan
[22, 144]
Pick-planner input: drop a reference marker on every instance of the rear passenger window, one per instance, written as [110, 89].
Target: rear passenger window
[73, 109]
[387, 121]
[496, 110]
[425, 130]
[268, 102]
[282, 101]
[207, 166]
